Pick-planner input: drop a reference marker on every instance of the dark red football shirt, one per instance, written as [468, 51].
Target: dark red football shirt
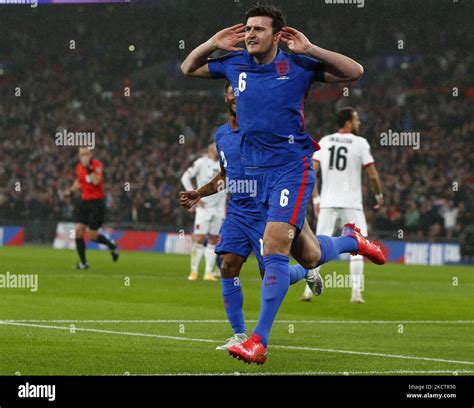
[89, 190]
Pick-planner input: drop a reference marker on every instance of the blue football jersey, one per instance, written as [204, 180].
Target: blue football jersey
[270, 106]
[241, 187]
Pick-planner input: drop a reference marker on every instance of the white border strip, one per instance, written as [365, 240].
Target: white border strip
[159, 336]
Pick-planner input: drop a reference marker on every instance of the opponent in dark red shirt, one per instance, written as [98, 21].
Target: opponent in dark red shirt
[90, 212]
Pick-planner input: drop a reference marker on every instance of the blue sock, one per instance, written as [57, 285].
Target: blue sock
[274, 287]
[332, 247]
[233, 302]
[297, 273]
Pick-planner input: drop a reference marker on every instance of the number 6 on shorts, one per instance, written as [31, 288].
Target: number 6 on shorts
[284, 197]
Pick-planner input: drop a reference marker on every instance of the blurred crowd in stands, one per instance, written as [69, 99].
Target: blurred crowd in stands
[148, 139]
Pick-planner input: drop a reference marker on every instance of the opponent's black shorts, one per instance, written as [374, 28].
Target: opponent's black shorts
[90, 213]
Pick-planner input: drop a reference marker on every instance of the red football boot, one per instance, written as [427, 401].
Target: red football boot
[366, 248]
[250, 351]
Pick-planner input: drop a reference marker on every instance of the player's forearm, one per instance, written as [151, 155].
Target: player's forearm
[315, 196]
[75, 186]
[376, 184]
[336, 64]
[198, 57]
[315, 193]
[214, 186]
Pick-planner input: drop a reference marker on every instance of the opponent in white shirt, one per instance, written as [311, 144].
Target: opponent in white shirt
[341, 159]
[210, 212]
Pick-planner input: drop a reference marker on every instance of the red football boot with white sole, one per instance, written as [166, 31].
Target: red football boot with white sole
[366, 248]
[250, 351]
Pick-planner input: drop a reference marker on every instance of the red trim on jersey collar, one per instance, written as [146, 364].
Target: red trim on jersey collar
[343, 131]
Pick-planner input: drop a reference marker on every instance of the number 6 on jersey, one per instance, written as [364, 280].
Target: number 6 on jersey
[242, 82]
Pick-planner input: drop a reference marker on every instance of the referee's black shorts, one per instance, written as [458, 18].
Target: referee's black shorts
[90, 213]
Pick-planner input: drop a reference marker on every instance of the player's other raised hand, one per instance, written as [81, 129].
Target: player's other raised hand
[189, 199]
[296, 41]
[229, 37]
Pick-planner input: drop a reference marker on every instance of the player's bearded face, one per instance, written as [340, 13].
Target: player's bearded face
[259, 36]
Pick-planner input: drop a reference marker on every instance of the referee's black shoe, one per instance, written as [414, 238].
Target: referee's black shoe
[114, 252]
[82, 266]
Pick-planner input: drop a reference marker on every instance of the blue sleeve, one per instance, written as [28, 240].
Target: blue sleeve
[218, 66]
[315, 67]
[216, 141]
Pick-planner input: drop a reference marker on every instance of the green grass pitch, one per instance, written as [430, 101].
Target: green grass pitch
[142, 316]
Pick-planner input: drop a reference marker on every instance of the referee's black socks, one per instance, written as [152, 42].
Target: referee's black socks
[102, 239]
[81, 249]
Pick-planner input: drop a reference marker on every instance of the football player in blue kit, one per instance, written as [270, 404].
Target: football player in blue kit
[270, 88]
[243, 227]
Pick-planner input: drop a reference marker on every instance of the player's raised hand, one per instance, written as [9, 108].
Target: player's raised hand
[296, 41]
[189, 199]
[229, 37]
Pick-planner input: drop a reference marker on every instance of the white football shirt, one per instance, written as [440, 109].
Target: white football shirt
[341, 158]
[204, 170]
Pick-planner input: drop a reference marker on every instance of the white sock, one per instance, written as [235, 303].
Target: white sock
[197, 252]
[210, 256]
[357, 274]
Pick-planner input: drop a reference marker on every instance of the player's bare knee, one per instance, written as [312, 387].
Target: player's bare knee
[229, 268]
[276, 245]
[309, 259]
[278, 238]
[309, 263]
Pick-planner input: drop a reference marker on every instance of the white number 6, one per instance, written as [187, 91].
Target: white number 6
[242, 83]
[284, 197]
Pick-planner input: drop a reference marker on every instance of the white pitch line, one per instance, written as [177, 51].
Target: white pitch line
[159, 336]
[302, 373]
[368, 353]
[249, 321]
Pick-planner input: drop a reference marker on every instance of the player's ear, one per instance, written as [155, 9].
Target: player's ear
[277, 37]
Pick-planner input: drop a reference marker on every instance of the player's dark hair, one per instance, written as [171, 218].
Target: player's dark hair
[226, 87]
[267, 10]
[343, 115]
